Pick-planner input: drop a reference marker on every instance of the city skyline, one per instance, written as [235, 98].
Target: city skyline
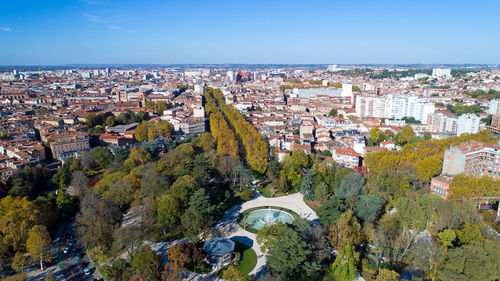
[292, 32]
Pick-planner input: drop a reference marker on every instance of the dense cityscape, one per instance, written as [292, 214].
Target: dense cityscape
[255, 140]
[323, 172]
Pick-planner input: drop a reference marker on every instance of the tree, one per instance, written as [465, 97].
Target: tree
[307, 182]
[38, 244]
[477, 260]
[470, 186]
[345, 230]
[129, 237]
[178, 255]
[427, 256]
[194, 223]
[233, 274]
[447, 237]
[102, 156]
[289, 257]
[387, 275]
[271, 234]
[17, 217]
[168, 210]
[97, 220]
[405, 135]
[148, 263]
[79, 183]
[410, 214]
[206, 141]
[331, 210]
[351, 188]
[299, 158]
[376, 135]
[139, 155]
[183, 187]
[121, 192]
[470, 232]
[200, 202]
[18, 262]
[66, 205]
[369, 207]
[321, 192]
[344, 267]
[273, 167]
[333, 112]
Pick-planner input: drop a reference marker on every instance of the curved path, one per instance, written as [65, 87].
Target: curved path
[228, 225]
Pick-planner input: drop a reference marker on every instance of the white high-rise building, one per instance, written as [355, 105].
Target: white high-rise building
[441, 72]
[494, 107]
[332, 68]
[468, 124]
[394, 106]
[231, 75]
[347, 90]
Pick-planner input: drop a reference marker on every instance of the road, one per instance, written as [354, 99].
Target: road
[65, 266]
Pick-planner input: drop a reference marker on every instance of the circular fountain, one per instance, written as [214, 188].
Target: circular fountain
[259, 218]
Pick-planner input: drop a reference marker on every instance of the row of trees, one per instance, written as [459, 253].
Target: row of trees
[226, 123]
[419, 161]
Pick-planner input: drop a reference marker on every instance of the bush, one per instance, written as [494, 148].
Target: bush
[247, 194]
[202, 267]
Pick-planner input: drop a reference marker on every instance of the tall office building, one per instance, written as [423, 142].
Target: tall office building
[468, 124]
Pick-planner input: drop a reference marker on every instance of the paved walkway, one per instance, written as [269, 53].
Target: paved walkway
[228, 225]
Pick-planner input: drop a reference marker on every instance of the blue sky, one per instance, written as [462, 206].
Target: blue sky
[272, 31]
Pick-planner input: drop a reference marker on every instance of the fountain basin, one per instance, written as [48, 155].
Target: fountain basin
[257, 219]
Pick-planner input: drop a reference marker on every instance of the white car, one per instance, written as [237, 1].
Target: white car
[86, 271]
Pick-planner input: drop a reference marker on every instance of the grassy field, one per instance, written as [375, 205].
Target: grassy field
[248, 258]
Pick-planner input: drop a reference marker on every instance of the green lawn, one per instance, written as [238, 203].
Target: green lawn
[248, 258]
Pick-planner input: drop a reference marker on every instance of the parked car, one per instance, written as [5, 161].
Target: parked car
[86, 271]
[66, 250]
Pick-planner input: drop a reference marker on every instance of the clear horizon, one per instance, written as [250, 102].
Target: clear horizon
[82, 32]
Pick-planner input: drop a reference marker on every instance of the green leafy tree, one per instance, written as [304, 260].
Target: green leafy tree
[333, 112]
[307, 182]
[477, 260]
[233, 274]
[194, 224]
[345, 265]
[387, 275]
[405, 136]
[376, 135]
[19, 262]
[351, 188]
[427, 257]
[345, 230]
[168, 210]
[470, 232]
[447, 237]
[369, 208]
[148, 263]
[321, 192]
[289, 258]
[271, 234]
[38, 244]
[102, 156]
[331, 210]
